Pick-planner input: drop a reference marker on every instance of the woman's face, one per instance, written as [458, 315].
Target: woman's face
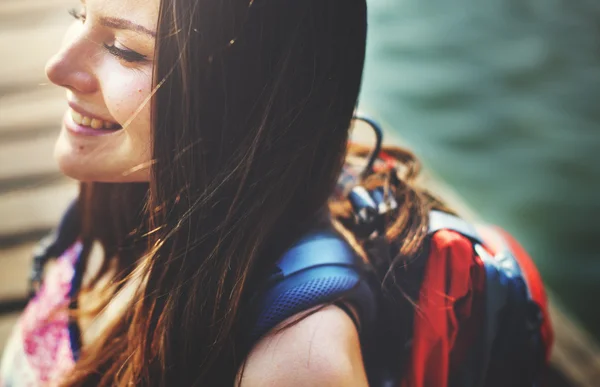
[105, 64]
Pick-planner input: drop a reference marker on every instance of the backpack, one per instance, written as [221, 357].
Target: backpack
[477, 315]
[481, 318]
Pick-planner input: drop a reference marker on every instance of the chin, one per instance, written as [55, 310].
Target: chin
[74, 169]
[74, 162]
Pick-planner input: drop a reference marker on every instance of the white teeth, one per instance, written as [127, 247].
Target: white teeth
[91, 122]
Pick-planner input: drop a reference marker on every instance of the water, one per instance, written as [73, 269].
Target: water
[502, 100]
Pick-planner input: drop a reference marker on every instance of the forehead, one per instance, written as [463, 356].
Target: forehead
[144, 12]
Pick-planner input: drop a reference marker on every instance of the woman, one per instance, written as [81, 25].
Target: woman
[208, 136]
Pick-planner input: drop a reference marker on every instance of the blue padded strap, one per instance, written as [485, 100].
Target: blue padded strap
[319, 269]
[316, 249]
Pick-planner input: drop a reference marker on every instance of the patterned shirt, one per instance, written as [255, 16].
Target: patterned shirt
[41, 348]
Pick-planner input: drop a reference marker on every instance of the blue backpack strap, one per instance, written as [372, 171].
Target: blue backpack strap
[320, 268]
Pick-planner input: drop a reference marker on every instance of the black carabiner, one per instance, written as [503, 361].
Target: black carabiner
[378, 140]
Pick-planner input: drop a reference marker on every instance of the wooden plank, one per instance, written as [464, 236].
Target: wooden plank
[7, 322]
[41, 107]
[31, 30]
[28, 56]
[34, 157]
[39, 209]
[16, 264]
[13, 8]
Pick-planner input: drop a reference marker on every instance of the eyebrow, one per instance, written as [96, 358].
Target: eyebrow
[122, 24]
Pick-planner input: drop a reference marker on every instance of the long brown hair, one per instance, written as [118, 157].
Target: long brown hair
[250, 123]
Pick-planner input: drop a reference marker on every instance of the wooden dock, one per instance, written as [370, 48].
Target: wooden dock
[33, 193]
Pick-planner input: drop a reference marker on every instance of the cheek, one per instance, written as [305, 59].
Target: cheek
[126, 98]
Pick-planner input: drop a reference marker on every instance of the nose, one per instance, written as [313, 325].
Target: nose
[72, 66]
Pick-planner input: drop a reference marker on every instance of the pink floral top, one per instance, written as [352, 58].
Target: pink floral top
[44, 341]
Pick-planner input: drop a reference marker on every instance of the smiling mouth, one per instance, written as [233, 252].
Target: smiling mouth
[93, 123]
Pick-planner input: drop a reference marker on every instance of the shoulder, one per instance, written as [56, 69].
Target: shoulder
[321, 349]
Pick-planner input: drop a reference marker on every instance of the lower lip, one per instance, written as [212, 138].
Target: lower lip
[80, 130]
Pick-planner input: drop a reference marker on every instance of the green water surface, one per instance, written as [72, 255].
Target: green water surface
[502, 100]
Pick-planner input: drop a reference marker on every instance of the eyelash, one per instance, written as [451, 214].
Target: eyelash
[126, 55]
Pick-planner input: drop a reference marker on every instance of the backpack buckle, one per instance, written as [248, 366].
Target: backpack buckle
[370, 208]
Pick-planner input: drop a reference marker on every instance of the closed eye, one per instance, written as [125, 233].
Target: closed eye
[126, 55]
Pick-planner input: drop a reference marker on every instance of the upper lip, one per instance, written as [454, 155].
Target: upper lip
[85, 113]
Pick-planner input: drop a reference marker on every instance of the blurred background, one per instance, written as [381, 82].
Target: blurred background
[500, 99]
